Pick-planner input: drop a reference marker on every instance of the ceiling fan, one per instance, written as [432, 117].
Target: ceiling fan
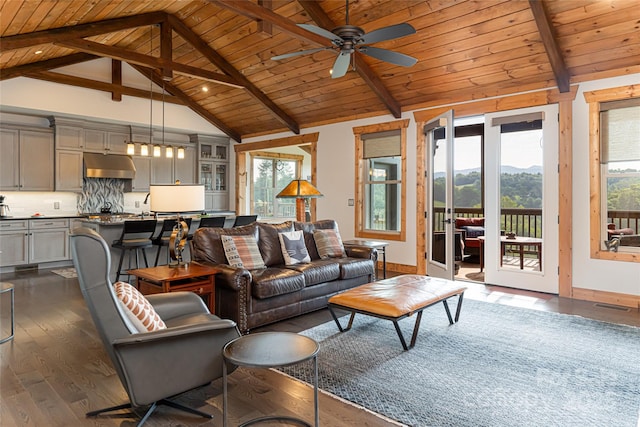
[347, 39]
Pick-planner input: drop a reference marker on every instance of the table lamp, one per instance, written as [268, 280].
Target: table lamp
[177, 199]
[299, 189]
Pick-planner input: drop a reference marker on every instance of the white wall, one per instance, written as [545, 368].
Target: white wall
[596, 274]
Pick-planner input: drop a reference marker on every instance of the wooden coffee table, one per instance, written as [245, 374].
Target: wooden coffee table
[192, 277]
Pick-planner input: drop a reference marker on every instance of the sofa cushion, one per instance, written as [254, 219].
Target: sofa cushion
[274, 281]
[269, 243]
[294, 251]
[329, 243]
[243, 252]
[318, 271]
[308, 229]
[355, 267]
[138, 309]
[207, 244]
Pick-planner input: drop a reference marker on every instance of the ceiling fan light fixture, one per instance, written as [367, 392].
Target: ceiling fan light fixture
[347, 39]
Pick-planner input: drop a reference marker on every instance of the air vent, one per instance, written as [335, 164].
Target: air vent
[612, 307]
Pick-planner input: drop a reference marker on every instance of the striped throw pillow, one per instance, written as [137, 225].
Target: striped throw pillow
[138, 308]
[242, 252]
[329, 243]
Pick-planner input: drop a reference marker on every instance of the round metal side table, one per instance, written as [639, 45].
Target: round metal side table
[8, 287]
[271, 350]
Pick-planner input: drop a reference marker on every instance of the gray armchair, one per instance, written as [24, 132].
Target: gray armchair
[152, 366]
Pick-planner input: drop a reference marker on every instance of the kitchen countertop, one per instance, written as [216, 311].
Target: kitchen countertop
[21, 217]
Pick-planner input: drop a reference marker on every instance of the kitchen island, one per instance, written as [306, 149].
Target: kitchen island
[110, 228]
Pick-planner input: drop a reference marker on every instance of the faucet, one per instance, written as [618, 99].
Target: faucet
[146, 200]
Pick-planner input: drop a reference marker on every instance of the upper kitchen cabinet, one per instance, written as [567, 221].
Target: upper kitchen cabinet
[89, 136]
[26, 160]
[213, 165]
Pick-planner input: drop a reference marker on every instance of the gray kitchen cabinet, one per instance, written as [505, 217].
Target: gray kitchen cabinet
[95, 140]
[185, 169]
[162, 170]
[213, 173]
[14, 242]
[48, 240]
[26, 160]
[102, 141]
[116, 142]
[142, 179]
[69, 137]
[34, 241]
[69, 172]
[9, 159]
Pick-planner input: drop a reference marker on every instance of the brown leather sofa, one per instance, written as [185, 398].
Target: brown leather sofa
[259, 297]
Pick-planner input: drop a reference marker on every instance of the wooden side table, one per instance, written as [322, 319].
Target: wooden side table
[192, 277]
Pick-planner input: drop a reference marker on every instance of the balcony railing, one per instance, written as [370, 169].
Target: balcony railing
[528, 222]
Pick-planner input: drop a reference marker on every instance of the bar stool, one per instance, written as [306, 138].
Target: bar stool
[212, 221]
[162, 239]
[136, 236]
[244, 220]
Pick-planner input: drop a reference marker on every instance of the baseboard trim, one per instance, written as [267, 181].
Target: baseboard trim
[613, 298]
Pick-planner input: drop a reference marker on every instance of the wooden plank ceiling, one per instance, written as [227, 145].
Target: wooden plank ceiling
[465, 50]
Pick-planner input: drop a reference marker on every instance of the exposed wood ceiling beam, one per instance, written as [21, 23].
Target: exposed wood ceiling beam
[362, 68]
[216, 59]
[146, 60]
[254, 11]
[116, 79]
[66, 79]
[79, 31]
[545, 29]
[187, 100]
[34, 67]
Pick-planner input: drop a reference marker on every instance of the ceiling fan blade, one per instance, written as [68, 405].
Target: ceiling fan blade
[388, 33]
[389, 56]
[341, 65]
[320, 31]
[302, 52]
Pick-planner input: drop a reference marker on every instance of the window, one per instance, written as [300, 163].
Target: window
[271, 173]
[381, 174]
[615, 163]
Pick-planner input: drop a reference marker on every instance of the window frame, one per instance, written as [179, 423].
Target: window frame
[598, 207]
[361, 181]
[273, 157]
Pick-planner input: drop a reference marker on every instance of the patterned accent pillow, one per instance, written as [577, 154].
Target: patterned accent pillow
[138, 308]
[242, 252]
[329, 243]
[294, 250]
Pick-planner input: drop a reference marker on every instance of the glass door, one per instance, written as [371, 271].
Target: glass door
[521, 199]
[439, 169]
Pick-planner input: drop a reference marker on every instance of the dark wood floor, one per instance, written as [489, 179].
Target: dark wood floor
[55, 369]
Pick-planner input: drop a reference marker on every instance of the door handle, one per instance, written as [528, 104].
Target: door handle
[447, 221]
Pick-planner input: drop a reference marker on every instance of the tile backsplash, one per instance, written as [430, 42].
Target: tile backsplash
[99, 192]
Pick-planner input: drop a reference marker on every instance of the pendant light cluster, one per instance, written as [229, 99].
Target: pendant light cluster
[155, 149]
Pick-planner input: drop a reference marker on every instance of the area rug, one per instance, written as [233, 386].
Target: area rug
[498, 366]
[68, 273]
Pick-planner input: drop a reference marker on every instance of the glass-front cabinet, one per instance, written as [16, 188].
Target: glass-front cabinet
[213, 170]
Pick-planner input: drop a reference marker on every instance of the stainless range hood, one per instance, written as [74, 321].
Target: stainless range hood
[98, 165]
